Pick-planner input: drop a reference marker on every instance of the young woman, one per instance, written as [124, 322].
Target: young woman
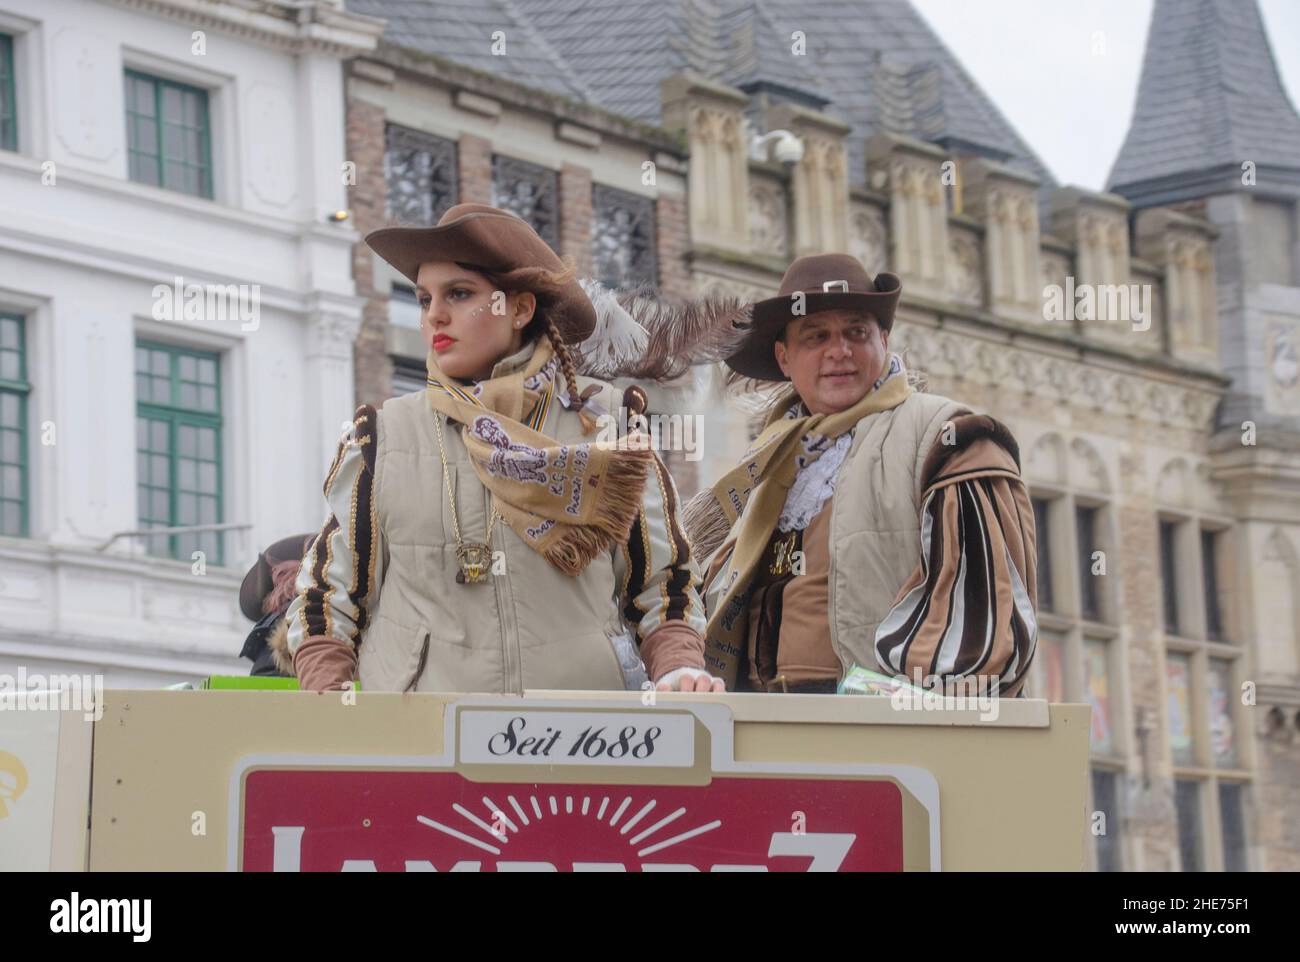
[479, 539]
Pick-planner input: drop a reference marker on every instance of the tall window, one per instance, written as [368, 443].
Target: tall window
[1210, 569]
[1085, 519]
[1078, 644]
[528, 191]
[13, 426]
[1187, 803]
[408, 377]
[1203, 693]
[1169, 575]
[1232, 812]
[1105, 796]
[1042, 539]
[168, 139]
[420, 175]
[178, 448]
[8, 97]
[1182, 727]
[404, 306]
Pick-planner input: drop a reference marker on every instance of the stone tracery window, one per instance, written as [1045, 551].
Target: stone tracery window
[420, 172]
[623, 237]
[529, 191]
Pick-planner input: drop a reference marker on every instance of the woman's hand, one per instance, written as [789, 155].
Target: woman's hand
[689, 679]
[323, 663]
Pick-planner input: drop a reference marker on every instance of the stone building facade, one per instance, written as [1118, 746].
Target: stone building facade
[1140, 344]
[1235, 166]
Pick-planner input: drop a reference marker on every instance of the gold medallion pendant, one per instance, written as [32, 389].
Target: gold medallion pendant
[475, 562]
[783, 555]
[474, 558]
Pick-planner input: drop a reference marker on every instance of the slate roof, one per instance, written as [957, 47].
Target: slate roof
[749, 50]
[461, 30]
[876, 64]
[1209, 99]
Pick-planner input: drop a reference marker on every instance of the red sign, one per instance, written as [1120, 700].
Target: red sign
[323, 820]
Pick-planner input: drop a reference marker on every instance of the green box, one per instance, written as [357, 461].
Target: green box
[249, 683]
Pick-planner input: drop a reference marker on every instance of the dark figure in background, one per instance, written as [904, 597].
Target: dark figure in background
[264, 597]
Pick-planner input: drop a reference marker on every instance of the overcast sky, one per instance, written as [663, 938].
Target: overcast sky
[1034, 59]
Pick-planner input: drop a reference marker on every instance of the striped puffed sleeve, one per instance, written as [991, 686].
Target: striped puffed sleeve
[660, 581]
[968, 610]
[338, 580]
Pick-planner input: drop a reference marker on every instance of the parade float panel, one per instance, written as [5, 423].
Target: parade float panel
[584, 781]
[44, 783]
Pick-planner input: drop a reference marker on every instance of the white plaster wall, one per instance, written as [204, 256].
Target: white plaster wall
[80, 258]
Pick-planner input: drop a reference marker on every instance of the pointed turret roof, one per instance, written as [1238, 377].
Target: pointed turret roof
[1210, 99]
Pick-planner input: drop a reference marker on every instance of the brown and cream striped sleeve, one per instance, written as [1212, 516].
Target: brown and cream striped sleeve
[338, 579]
[967, 613]
[660, 581]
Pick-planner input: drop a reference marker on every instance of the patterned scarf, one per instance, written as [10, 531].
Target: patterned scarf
[568, 502]
[788, 443]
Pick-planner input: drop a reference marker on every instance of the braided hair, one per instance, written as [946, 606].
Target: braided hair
[567, 365]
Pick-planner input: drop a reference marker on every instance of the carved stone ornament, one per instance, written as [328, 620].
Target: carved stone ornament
[623, 237]
[529, 191]
[768, 225]
[965, 269]
[868, 239]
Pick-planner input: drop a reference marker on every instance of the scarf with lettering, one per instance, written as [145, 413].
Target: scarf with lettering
[790, 441]
[568, 502]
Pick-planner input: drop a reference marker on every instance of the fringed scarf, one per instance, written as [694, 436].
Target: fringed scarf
[764, 475]
[568, 502]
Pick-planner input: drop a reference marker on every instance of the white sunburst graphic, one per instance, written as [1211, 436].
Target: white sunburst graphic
[540, 808]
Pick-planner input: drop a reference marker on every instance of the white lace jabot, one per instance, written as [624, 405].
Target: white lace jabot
[812, 486]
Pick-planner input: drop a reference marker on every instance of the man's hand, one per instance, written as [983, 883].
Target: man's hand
[689, 679]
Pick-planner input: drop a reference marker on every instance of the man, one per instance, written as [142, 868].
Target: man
[264, 597]
[868, 524]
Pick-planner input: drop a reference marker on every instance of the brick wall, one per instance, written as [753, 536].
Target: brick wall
[474, 156]
[673, 244]
[373, 370]
[575, 216]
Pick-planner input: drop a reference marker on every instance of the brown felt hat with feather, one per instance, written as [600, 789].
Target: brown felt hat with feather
[487, 237]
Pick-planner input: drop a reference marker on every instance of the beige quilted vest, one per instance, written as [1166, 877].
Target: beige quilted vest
[875, 530]
[531, 627]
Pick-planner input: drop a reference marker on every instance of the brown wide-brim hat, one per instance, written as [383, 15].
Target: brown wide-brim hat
[828, 282]
[257, 583]
[496, 240]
